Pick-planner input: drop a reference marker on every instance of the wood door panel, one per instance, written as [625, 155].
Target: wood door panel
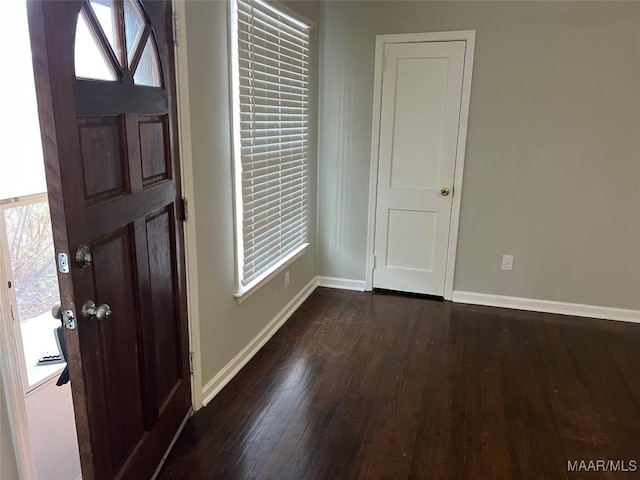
[115, 284]
[101, 220]
[104, 160]
[153, 133]
[166, 344]
[114, 182]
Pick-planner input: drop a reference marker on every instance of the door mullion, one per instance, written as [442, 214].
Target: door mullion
[118, 6]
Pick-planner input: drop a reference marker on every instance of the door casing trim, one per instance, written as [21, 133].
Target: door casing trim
[468, 36]
[11, 378]
[188, 191]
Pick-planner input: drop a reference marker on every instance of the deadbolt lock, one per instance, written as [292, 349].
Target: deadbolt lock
[83, 256]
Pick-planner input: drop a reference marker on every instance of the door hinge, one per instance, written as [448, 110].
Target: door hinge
[375, 262]
[191, 368]
[184, 209]
[175, 28]
[384, 63]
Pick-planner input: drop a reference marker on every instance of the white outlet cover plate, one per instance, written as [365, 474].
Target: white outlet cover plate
[507, 262]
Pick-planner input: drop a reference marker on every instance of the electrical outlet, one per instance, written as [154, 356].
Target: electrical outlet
[286, 280]
[507, 262]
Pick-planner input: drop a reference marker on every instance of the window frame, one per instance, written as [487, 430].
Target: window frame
[11, 298]
[242, 292]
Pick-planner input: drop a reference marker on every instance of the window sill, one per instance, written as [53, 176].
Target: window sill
[245, 292]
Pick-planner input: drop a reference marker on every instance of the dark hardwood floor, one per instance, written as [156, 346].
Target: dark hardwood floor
[359, 385]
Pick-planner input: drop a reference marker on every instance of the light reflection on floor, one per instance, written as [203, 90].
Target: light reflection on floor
[292, 395]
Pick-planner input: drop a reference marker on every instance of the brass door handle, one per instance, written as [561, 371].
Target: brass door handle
[445, 191]
[90, 311]
[56, 311]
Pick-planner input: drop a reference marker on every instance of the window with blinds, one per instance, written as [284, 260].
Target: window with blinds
[271, 138]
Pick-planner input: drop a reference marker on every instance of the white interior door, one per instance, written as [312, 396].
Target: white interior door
[419, 120]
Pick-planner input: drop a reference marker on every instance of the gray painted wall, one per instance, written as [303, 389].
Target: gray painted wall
[225, 326]
[552, 172]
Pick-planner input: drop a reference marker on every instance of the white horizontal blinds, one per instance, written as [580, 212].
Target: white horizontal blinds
[273, 64]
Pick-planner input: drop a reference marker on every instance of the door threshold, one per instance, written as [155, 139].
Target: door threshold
[399, 293]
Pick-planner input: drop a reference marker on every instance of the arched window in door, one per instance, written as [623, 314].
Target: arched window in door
[115, 41]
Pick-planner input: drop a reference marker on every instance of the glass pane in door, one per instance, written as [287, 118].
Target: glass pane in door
[34, 283]
[148, 71]
[90, 59]
[134, 23]
[105, 14]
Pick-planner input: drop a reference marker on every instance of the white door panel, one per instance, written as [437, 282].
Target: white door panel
[420, 113]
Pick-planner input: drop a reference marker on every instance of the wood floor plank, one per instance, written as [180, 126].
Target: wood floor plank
[373, 386]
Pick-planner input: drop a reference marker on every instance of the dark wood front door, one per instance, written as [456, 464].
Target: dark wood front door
[106, 94]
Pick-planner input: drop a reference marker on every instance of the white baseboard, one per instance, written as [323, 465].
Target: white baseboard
[341, 283]
[224, 376]
[547, 306]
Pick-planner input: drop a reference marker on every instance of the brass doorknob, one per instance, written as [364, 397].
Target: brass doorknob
[444, 191]
[90, 311]
[56, 311]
